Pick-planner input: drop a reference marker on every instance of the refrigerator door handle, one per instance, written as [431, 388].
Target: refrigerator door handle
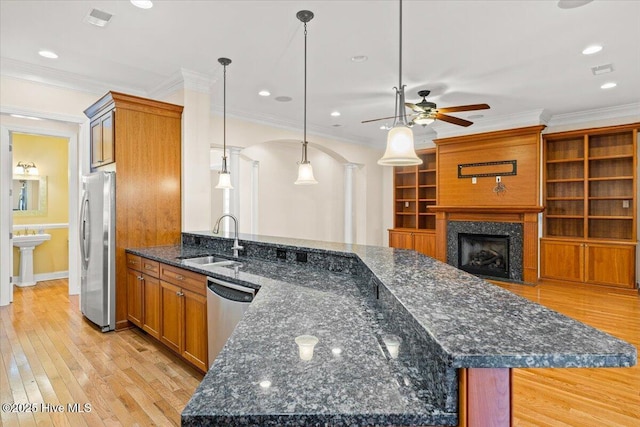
[84, 230]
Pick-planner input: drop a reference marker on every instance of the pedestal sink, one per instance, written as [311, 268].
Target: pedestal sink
[27, 244]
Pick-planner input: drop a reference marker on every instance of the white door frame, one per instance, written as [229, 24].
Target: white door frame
[6, 219]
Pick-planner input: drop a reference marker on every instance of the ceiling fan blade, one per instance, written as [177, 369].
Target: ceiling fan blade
[454, 120]
[464, 108]
[414, 107]
[375, 120]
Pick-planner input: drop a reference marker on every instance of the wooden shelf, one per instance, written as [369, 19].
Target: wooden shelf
[566, 216]
[573, 160]
[611, 157]
[553, 181]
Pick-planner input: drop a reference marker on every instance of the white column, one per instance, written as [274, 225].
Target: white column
[348, 202]
[255, 180]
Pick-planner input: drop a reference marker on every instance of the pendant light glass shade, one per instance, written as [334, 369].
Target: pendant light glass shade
[305, 174]
[400, 151]
[224, 182]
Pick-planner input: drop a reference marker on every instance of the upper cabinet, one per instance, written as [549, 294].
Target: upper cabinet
[102, 140]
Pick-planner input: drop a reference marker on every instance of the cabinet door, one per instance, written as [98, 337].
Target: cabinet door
[562, 260]
[134, 297]
[151, 306]
[610, 264]
[425, 243]
[171, 325]
[400, 239]
[195, 348]
[96, 143]
[108, 138]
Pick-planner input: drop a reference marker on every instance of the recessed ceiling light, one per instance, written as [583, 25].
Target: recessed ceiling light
[264, 93]
[335, 114]
[336, 125]
[359, 58]
[283, 98]
[590, 50]
[608, 85]
[142, 4]
[48, 54]
[572, 4]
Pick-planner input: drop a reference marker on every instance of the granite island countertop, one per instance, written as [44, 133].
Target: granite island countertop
[445, 318]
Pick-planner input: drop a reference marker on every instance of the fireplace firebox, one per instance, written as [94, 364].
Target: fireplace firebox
[484, 254]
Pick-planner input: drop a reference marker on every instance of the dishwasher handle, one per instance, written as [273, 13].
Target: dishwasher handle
[231, 291]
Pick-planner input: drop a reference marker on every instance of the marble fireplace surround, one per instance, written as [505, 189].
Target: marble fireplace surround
[520, 222]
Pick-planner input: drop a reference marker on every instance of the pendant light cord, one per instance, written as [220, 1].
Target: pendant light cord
[304, 142]
[400, 50]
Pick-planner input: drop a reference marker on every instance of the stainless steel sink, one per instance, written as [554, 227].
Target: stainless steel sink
[211, 261]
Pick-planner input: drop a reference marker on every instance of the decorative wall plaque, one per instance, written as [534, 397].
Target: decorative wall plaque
[501, 168]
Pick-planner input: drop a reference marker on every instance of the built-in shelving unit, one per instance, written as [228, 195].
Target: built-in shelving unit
[414, 191]
[590, 197]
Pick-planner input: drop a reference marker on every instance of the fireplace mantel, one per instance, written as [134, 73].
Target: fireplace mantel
[488, 209]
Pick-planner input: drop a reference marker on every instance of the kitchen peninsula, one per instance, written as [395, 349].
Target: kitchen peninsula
[403, 339]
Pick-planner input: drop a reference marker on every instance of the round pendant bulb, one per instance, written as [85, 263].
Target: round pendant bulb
[305, 175]
[224, 182]
[400, 151]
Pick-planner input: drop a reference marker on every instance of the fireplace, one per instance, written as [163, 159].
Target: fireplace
[484, 254]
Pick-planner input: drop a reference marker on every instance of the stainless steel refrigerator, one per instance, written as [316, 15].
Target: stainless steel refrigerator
[97, 249]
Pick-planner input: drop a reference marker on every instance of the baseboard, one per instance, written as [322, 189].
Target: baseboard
[45, 276]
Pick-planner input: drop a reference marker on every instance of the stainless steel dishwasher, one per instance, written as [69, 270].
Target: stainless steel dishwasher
[226, 304]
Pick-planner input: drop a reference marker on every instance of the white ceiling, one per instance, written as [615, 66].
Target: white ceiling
[517, 56]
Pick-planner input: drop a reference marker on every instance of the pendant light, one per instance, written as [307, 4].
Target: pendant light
[305, 171]
[400, 150]
[224, 181]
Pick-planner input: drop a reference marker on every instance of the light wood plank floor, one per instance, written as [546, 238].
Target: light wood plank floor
[605, 397]
[51, 355]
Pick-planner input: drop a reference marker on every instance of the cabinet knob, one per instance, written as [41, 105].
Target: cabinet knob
[180, 293]
[148, 267]
[179, 277]
[140, 278]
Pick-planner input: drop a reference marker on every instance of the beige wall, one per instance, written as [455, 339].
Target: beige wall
[50, 154]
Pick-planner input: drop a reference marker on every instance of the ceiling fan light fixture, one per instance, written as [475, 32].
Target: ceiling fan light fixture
[424, 121]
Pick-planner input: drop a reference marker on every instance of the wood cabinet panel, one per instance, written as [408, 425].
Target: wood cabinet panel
[608, 264]
[425, 243]
[102, 140]
[171, 325]
[194, 347]
[400, 239]
[562, 260]
[147, 140]
[185, 279]
[151, 306]
[134, 297]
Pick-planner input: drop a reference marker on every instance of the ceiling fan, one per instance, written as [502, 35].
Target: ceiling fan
[425, 112]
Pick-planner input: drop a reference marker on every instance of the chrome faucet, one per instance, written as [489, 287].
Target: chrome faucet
[236, 246]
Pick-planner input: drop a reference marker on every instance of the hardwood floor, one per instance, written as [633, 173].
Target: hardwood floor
[605, 397]
[51, 355]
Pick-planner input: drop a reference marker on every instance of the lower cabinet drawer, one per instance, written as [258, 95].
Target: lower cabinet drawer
[186, 279]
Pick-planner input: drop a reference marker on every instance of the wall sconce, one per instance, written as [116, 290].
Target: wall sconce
[23, 168]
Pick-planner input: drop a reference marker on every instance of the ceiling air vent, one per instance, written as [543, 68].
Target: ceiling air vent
[98, 17]
[602, 69]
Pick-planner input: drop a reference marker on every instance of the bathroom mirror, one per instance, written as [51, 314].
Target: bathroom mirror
[29, 195]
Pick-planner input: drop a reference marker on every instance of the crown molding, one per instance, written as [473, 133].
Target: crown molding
[631, 112]
[65, 118]
[183, 79]
[277, 122]
[60, 79]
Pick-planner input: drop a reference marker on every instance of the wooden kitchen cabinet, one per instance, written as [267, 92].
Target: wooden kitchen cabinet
[183, 320]
[103, 140]
[143, 294]
[141, 139]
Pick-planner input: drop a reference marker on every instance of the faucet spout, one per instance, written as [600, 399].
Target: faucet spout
[236, 246]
